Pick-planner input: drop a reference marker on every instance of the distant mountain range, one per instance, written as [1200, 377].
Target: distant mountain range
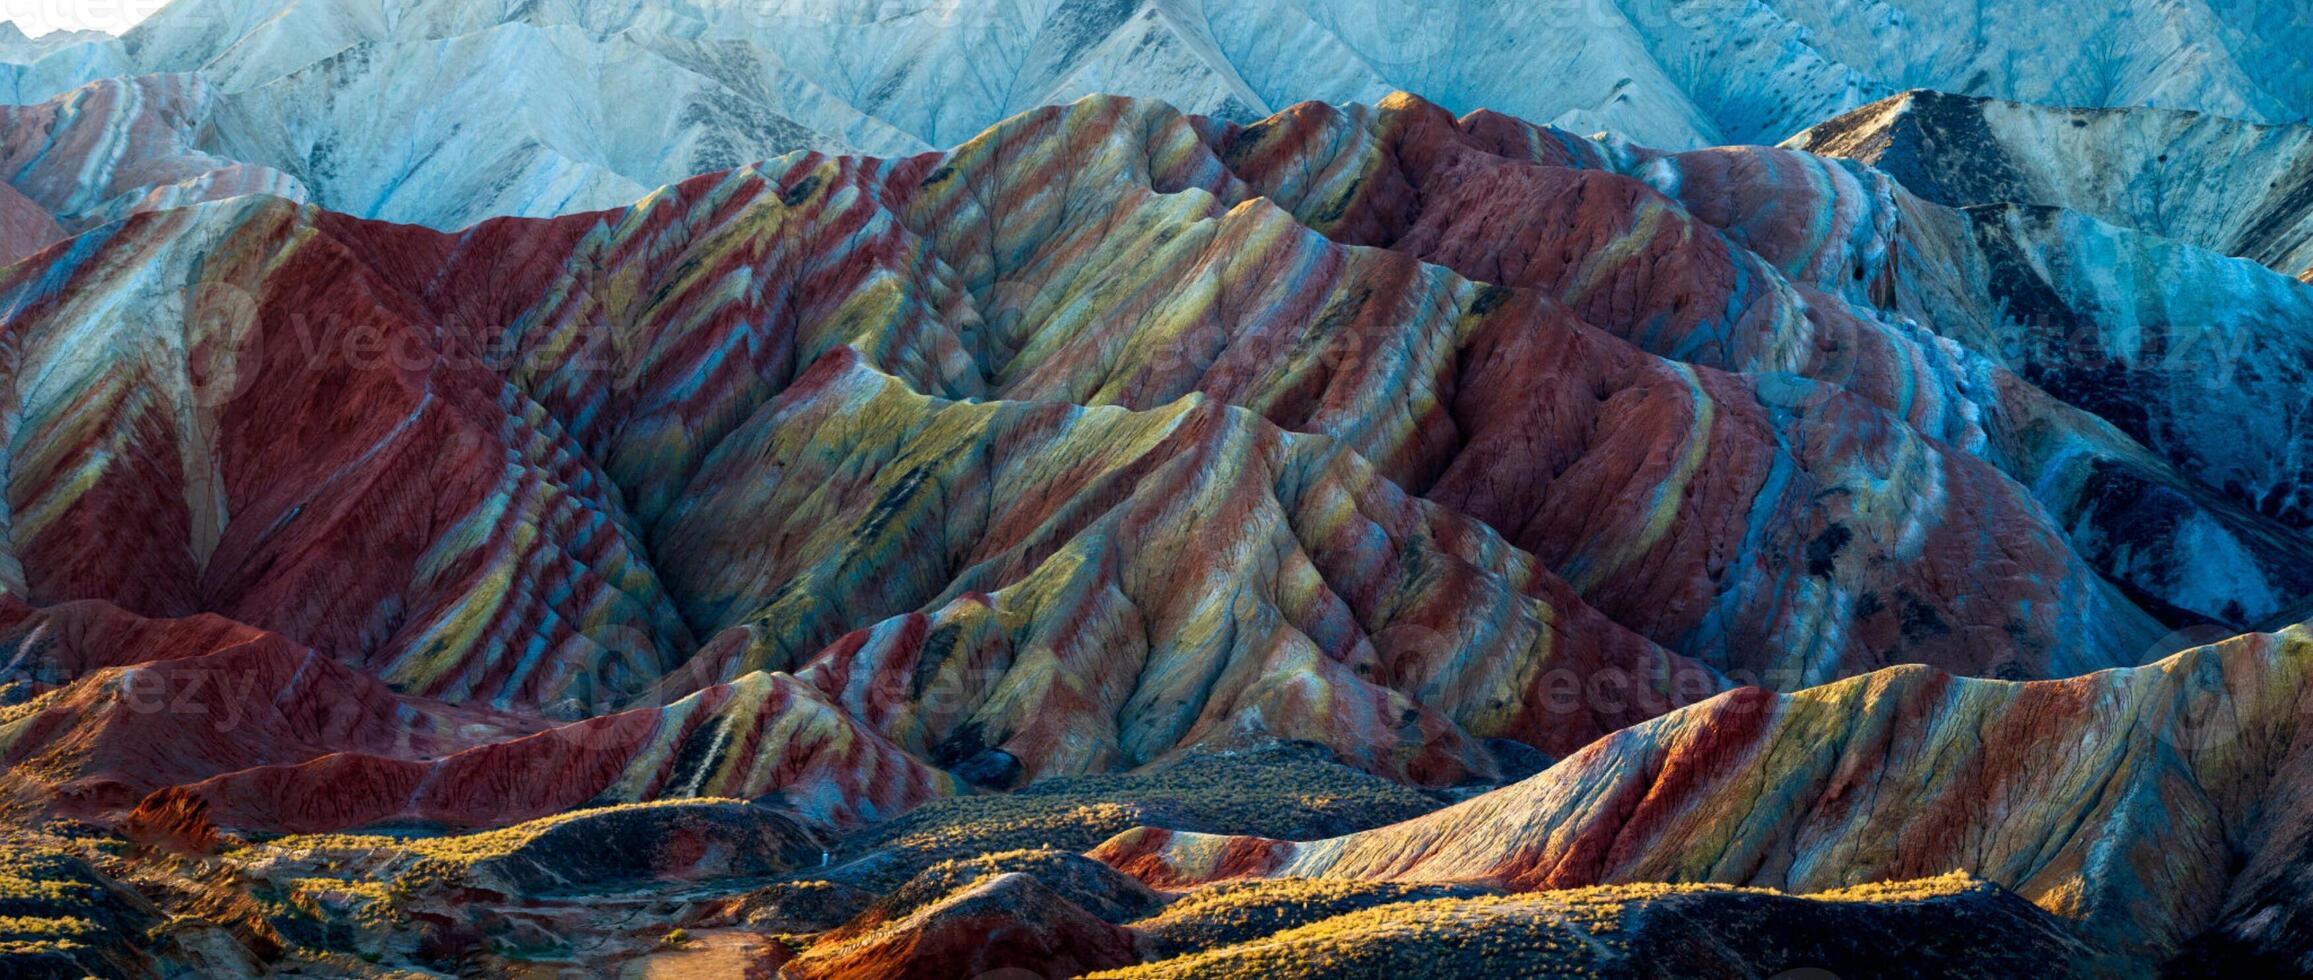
[443, 112]
[2232, 186]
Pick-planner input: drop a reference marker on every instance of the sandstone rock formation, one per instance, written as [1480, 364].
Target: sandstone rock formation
[111, 148]
[1869, 287]
[2157, 338]
[1200, 541]
[964, 462]
[2155, 806]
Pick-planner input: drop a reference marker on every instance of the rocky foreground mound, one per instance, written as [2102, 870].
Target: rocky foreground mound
[963, 888]
[2161, 808]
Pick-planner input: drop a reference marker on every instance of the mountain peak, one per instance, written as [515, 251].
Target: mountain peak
[894, 488]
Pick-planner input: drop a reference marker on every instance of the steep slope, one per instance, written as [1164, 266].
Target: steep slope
[1063, 261]
[140, 722]
[115, 147]
[2175, 346]
[2154, 805]
[259, 416]
[1764, 260]
[2172, 344]
[960, 508]
[2234, 187]
[2186, 353]
[747, 81]
[952, 686]
[25, 226]
[1062, 452]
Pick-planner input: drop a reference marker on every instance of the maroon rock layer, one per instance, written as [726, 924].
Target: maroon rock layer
[1069, 450]
[2157, 806]
[111, 148]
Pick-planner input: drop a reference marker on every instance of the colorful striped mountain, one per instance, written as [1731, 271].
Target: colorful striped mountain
[1133, 539]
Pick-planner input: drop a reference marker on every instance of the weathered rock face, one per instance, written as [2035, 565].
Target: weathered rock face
[1062, 452]
[25, 227]
[2227, 185]
[224, 463]
[112, 148]
[310, 87]
[2090, 314]
[2171, 344]
[2154, 805]
[1089, 562]
[119, 717]
[1120, 437]
[1838, 289]
[1601, 560]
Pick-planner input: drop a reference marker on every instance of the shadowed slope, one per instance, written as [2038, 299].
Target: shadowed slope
[2228, 185]
[1945, 927]
[1765, 260]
